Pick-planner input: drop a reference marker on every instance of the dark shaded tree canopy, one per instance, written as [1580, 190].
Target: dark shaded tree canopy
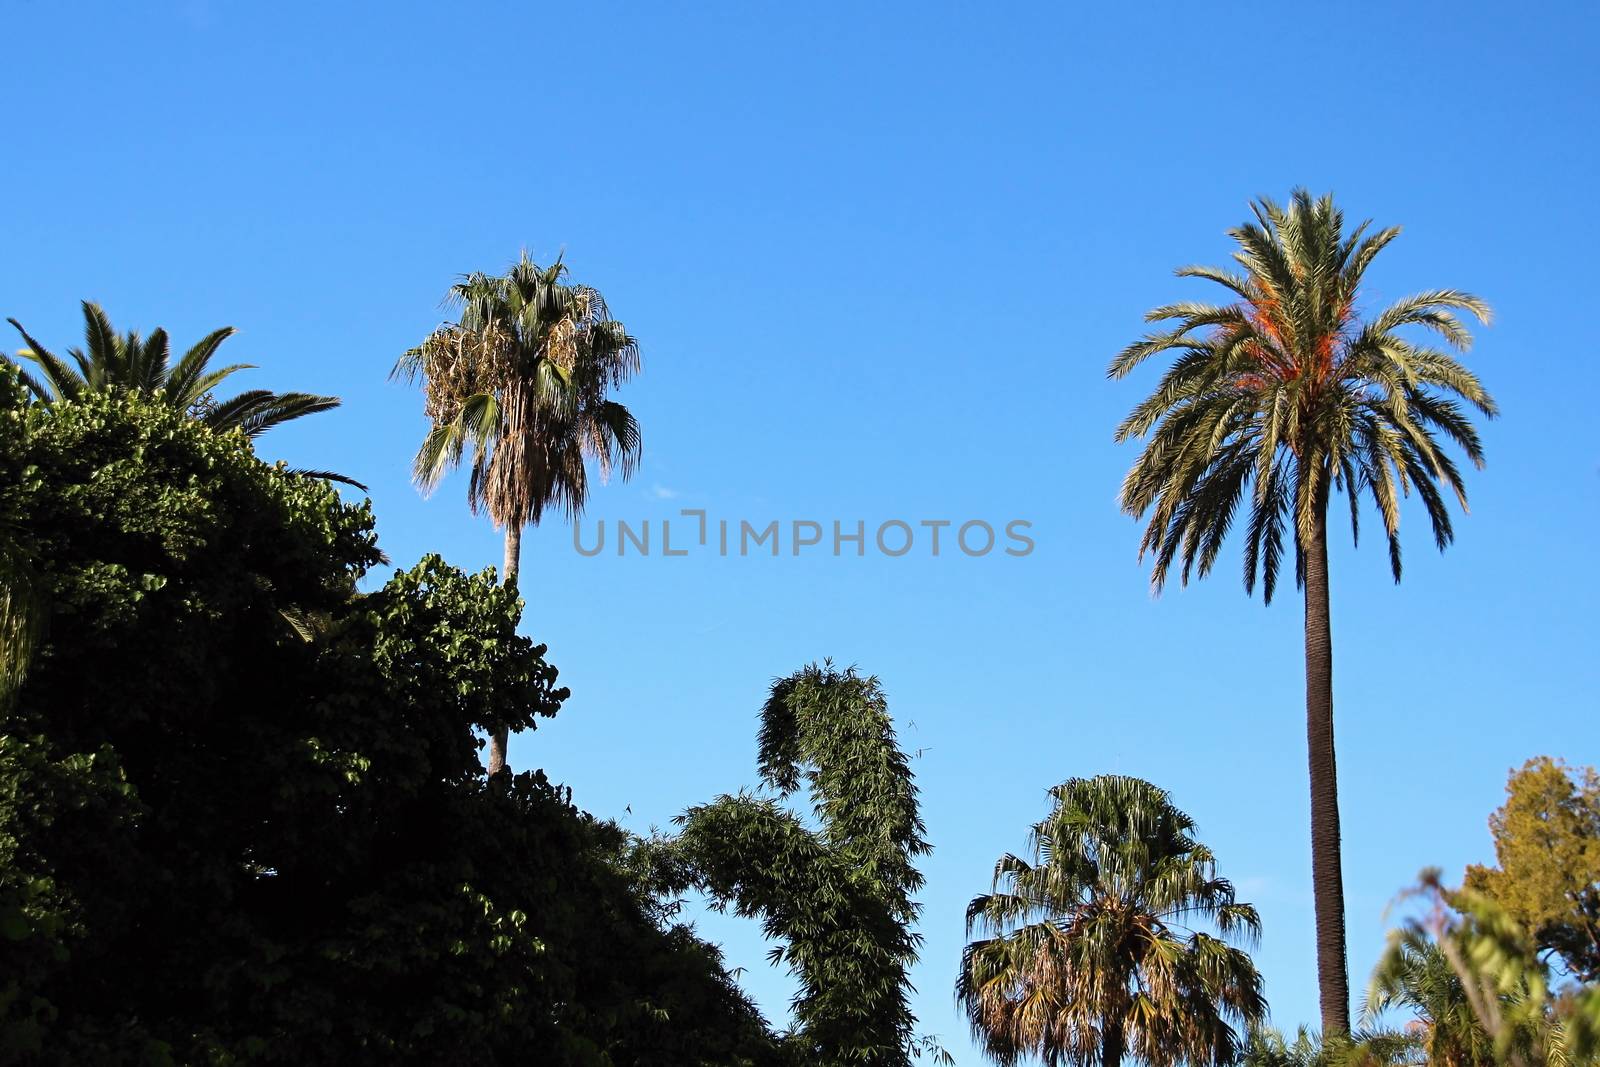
[242, 813]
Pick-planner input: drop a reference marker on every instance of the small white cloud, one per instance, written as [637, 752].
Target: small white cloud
[661, 492]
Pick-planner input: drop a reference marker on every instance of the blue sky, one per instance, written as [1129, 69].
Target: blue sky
[878, 257]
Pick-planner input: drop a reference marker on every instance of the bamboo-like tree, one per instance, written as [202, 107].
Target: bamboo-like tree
[1089, 951]
[521, 381]
[1275, 401]
[837, 894]
[110, 361]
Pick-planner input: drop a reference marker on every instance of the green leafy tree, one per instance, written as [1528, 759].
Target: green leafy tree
[522, 381]
[1089, 952]
[1502, 978]
[838, 897]
[1415, 976]
[110, 361]
[229, 839]
[1278, 400]
[1547, 842]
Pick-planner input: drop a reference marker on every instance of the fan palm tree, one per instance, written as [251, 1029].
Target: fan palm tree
[110, 361]
[1088, 953]
[522, 380]
[1279, 399]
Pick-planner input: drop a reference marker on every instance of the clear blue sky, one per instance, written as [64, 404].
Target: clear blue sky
[878, 257]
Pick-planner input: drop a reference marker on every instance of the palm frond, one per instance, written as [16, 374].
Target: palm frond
[63, 383]
[327, 476]
[110, 361]
[259, 410]
[185, 385]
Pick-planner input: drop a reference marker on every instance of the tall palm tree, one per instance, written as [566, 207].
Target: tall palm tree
[110, 361]
[522, 379]
[1280, 398]
[1089, 954]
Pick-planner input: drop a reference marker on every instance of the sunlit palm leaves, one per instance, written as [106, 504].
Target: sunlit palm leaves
[1091, 950]
[1499, 975]
[1287, 393]
[521, 382]
[110, 361]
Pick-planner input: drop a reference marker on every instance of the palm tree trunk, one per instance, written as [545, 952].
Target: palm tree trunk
[1111, 1043]
[1327, 878]
[500, 736]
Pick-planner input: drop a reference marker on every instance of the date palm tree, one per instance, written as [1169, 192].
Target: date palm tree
[522, 381]
[1277, 400]
[1089, 953]
[110, 361]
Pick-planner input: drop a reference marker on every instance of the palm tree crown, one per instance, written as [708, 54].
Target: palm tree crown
[110, 361]
[1088, 952]
[522, 380]
[1289, 392]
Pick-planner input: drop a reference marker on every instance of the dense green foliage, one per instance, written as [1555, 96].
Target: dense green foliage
[1461, 984]
[1091, 951]
[837, 897]
[242, 813]
[1514, 1014]
[1415, 976]
[112, 362]
[1547, 842]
